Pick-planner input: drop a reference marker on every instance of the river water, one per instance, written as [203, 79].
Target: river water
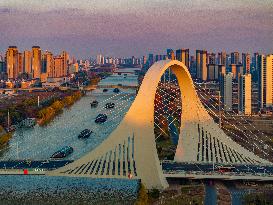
[41, 142]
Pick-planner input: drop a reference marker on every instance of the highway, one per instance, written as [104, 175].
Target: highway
[169, 166]
[28, 164]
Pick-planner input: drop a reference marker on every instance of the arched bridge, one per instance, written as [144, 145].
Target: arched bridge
[131, 148]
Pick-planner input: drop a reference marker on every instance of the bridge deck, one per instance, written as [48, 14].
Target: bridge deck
[170, 170]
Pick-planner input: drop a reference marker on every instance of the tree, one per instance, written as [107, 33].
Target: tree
[57, 106]
[142, 196]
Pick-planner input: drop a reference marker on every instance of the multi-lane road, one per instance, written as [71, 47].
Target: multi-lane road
[170, 169]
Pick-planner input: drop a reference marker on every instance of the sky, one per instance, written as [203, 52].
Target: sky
[120, 28]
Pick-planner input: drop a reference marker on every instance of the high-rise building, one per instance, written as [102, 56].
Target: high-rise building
[159, 57]
[2, 66]
[239, 71]
[222, 58]
[100, 60]
[246, 62]
[221, 70]
[261, 68]
[151, 59]
[211, 59]
[226, 91]
[57, 66]
[212, 72]
[143, 61]
[66, 60]
[244, 94]
[20, 63]
[170, 54]
[235, 58]
[233, 69]
[12, 62]
[193, 65]
[269, 80]
[265, 85]
[255, 60]
[47, 62]
[27, 62]
[201, 64]
[36, 61]
[183, 56]
[60, 65]
[73, 68]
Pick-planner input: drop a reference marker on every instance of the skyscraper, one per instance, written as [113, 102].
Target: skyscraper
[233, 69]
[151, 59]
[222, 58]
[170, 54]
[27, 62]
[47, 62]
[226, 91]
[183, 56]
[269, 80]
[20, 63]
[99, 59]
[12, 62]
[193, 65]
[2, 66]
[265, 85]
[246, 62]
[201, 64]
[235, 57]
[60, 65]
[36, 61]
[255, 60]
[211, 59]
[239, 71]
[244, 94]
[221, 70]
[261, 68]
[65, 62]
[212, 72]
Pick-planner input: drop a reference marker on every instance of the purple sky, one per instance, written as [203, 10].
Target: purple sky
[136, 27]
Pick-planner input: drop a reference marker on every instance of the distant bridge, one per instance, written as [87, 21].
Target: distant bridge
[21, 89]
[124, 72]
[93, 87]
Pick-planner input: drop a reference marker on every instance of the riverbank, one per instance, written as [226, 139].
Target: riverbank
[4, 139]
[174, 194]
[46, 114]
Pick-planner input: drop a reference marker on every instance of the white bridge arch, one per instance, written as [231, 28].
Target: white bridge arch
[131, 147]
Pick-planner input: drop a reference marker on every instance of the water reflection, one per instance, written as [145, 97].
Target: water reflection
[63, 190]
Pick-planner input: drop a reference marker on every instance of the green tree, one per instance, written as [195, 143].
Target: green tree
[142, 196]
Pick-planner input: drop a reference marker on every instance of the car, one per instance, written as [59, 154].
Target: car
[101, 118]
[85, 133]
[109, 105]
[94, 104]
[116, 90]
[62, 153]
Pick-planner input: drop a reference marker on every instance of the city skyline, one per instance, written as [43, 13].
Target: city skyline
[137, 27]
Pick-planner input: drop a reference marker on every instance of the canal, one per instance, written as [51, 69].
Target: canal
[40, 143]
